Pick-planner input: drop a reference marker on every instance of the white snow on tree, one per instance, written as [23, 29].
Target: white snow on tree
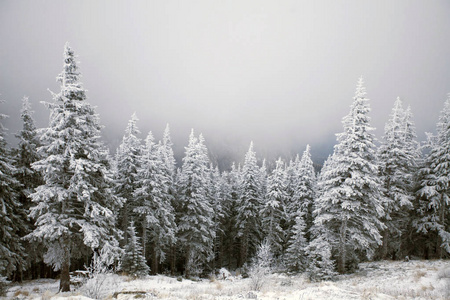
[304, 191]
[133, 261]
[11, 218]
[196, 226]
[349, 207]
[320, 265]
[397, 162]
[249, 207]
[273, 211]
[152, 202]
[24, 156]
[435, 185]
[295, 257]
[75, 208]
[126, 168]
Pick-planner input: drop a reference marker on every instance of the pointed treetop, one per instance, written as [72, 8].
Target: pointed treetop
[166, 136]
[26, 106]
[360, 89]
[132, 128]
[149, 140]
[70, 74]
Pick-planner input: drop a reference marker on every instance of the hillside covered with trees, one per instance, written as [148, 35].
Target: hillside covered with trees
[65, 198]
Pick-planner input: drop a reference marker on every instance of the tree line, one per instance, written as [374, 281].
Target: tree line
[64, 198]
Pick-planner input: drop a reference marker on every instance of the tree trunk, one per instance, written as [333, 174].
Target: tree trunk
[342, 248]
[244, 248]
[64, 283]
[172, 259]
[384, 252]
[144, 237]
[154, 268]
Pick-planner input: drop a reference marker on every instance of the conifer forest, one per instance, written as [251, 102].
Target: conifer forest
[67, 200]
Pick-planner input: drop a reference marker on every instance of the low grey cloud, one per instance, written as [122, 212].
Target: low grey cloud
[280, 73]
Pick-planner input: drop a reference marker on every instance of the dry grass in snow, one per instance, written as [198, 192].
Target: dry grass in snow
[374, 280]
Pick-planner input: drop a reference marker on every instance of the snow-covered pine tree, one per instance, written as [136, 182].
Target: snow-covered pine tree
[249, 207]
[396, 170]
[167, 152]
[231, 193]
[305, 191]
[126, 168]
[133, 261]
[170, 163]
[152, 202]
[26, 154]
[349, 207]
[74, 208]
[217, 192]
[320, 265]
[435, 186]
[273, 209]
[195, 227]
[292, 178]
[11, 218]
[295, 256]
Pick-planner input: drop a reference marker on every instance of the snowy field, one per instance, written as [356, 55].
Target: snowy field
[374, 280]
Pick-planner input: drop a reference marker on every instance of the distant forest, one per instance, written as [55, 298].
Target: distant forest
[66, 199]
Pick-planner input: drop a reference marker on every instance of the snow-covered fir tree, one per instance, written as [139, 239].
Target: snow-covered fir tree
[126, 168]
[305, 190]
[24, 156]
[396, 170]
[218, 191]
[196, 226]
[11, 215]
[292, 178]
[152, 202]
[74, 208]
[349, 207]
[435, 186]
[273, 211]
[320, 265]
[133, 261]
[231, 191]
[295, 257]
[170, 166]
[249, 206]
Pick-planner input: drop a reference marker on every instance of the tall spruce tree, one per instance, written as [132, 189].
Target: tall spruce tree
[24, 156]
[153, 202]
[249, 207]
[133, 260]
[11, 216]
[126, 169]
[170, 169]
[305, 190]
[273, 211]
[435, 186]
[396, 171]
[74, 207]
[349, 207]
[196, 226]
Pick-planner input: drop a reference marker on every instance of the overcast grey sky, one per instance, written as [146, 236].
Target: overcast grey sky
[280, 73]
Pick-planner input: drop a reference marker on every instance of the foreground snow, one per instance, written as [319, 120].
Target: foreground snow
[374, 280]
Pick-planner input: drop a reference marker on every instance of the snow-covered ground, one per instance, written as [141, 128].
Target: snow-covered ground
[374, 280]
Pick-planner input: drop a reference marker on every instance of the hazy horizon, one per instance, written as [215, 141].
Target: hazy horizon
[281, 74]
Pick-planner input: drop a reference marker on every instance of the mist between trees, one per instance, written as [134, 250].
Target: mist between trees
[64, 198]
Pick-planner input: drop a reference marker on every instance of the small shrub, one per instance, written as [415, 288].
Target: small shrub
[261, 267]
[100, 280]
